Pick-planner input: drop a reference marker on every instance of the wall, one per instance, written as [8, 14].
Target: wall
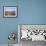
[29, 12]
[7, 25]
[32, 11]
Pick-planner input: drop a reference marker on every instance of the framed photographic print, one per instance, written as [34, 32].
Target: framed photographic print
[10, 11]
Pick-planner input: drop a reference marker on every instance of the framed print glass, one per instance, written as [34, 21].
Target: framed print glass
[10, 11]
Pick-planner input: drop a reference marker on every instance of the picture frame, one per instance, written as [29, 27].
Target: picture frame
[10, 11]
[37, 29]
